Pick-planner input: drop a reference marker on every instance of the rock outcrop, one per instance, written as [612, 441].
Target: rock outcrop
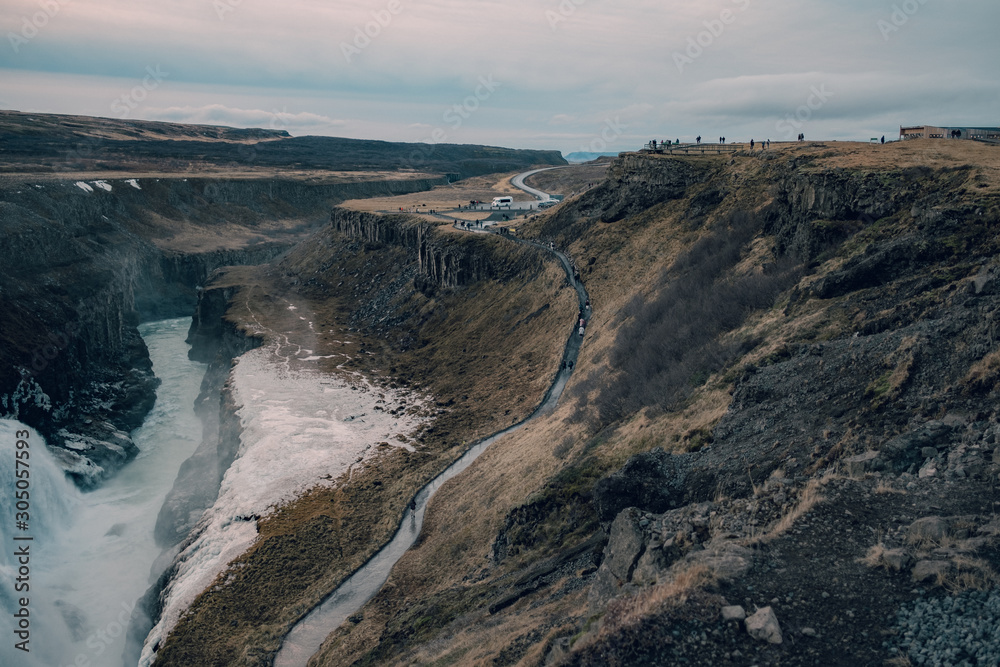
[84, 264]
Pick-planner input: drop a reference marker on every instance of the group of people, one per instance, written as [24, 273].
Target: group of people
[583, 317]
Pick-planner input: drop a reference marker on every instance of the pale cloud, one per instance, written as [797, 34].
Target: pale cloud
[218, 114]
[391, 69]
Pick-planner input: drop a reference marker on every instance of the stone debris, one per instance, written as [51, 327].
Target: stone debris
[763, 626]
[733, 613]
[927, 529]
[897, 560]
[930, 570]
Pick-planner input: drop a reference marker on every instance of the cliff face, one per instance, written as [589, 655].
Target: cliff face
[790, 377]
[217, 342]
[443, 261]
[84, 263]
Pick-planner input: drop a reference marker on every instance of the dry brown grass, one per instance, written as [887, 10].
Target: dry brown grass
[874, 556]
[983, 374]
[479, 638]
[809, 497]
[968, 574]
[890, 384]
[481, 188]
[630, 611]
[901, 660]
[885, 487]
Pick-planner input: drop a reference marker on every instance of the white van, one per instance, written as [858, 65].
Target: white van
[502, 201]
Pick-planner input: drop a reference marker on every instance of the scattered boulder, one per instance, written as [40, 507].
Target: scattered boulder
[726, 559]
[930, 570]
[763, 626]
[907, 449]
[897, 560]
[927, 529]
[857, 466]
[622, 553]
[733, 613]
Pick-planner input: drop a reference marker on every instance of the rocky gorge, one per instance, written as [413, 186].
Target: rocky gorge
[779, 445]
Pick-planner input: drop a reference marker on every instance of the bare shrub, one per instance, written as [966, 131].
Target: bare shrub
[969, 574]
[673, 342]
[875, 556]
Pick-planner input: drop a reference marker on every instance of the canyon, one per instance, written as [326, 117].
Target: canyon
[785, 399]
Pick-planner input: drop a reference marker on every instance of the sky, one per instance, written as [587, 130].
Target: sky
[570, 75]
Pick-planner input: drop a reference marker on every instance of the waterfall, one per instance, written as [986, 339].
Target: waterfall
[93, 554]
[48, 500]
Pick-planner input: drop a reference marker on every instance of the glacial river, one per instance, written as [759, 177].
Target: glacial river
[93, 553]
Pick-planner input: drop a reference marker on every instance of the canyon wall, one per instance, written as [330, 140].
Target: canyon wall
[85, 262]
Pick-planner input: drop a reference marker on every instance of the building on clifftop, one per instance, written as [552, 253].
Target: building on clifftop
[991, 134]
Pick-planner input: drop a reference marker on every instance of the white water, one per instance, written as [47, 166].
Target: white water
[92, 553]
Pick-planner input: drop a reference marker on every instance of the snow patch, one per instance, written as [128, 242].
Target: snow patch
[299, 432]
[104, 185]
[83, 186]
[134, 183]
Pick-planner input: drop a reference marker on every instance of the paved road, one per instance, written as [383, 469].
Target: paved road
[518, 182]
[305, 638]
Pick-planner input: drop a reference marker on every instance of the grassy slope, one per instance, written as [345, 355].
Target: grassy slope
[435, 608]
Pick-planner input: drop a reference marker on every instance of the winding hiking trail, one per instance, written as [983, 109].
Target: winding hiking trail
[305, 638]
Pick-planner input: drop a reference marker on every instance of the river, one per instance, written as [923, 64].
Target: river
[93, 553]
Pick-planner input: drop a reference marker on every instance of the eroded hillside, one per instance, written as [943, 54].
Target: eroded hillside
[786, 400]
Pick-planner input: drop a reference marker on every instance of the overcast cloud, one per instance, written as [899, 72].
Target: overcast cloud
[563, 74]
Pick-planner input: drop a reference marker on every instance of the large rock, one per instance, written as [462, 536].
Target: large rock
[857, 466]
[927, 529]
[896, 560]
[726, 559]
[733, 613]
[622, 553]
[763, 626]
[931, 570]
[907, 449]
[652, 481]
